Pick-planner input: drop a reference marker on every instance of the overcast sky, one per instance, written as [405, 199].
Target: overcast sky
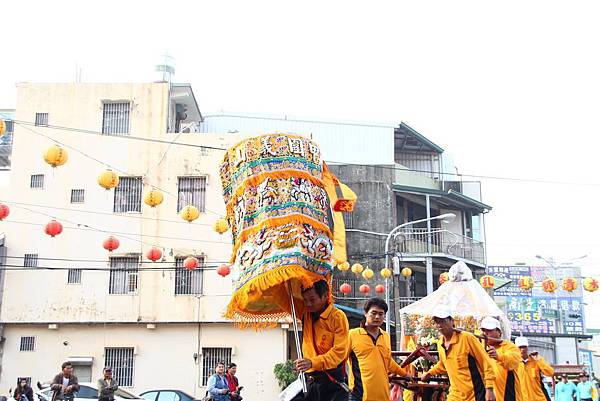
[508, 88]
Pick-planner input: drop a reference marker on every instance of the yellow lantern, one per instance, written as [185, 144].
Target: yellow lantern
[189, 213]
[108, 179]
[344, 266]
[406, 272]
[357, 268]
[590, 284]
[56, 156]
[221, 226]
[386, 272]
[526, 283]
[487, 282]
[569, 284]
[153, 198]
[2, 127]
[549, 285]
[443, 278]
[368, 274]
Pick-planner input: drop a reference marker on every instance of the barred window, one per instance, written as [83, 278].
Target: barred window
[128, 195]
[121, 361]
[77, 195]
[37, 181]
[30, 260]
[123, 275]
[210, 358]
[191, 191]
[41, 119]
[115, 118]
[188, 282]
[74, 276]
[27, 344]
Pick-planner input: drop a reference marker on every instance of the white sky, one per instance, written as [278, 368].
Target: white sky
[508, 88]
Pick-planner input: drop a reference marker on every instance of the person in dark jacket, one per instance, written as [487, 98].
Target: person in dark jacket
[65, 384]
[233, 383]
[107, 386]
[23, 392]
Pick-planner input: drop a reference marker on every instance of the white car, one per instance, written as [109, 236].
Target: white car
[87, 391]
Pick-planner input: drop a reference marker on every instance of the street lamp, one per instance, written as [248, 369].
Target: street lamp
[446, 218]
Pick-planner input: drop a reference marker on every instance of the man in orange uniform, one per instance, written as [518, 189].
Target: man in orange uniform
[506, 358]
[324, 346]
[370, 356]
[534, 366]
[464, 360]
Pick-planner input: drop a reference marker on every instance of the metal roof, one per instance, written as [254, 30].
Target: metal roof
[449, 198]
[407, 140]
[182, 93]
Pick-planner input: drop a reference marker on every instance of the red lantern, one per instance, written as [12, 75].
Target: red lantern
[365, 289]
[223, 270]
[380, 288]
[53, 228]
[110, 244]
[4, 211]
[154, 254]
[191, 263]
[345, 288]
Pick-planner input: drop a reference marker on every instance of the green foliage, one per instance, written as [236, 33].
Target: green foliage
[285, 374]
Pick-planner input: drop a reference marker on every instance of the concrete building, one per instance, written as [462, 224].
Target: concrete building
[68, 299]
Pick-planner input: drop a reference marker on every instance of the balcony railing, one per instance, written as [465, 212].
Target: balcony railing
[414, 240]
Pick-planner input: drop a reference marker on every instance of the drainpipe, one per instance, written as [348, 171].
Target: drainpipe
[428, 261]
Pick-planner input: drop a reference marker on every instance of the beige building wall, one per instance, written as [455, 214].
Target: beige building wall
[34, 299]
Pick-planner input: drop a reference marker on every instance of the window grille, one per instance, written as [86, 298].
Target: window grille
[41, 119]
[27, 344]
[123, 275]
[210, 358]
[128, 195]
[188, 282]
[77, 195]
[191, 191]
[37, 181]
[121, 361]
[30, 260]
[115, 118]
[74, 276]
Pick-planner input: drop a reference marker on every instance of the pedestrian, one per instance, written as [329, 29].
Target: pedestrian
[65, 384]
[107, 385]
[463, 358]
[585, 389]
[218, 387]
[535, 366]
[506, 358]
[23, 392]
[233, 382]
[324, 345]
[564, 390]
[370, 356]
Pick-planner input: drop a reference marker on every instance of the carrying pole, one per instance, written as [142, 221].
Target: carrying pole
[297, 335]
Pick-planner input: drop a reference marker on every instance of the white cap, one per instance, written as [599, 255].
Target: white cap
[441, 312]
[521, 342]
[490, 323]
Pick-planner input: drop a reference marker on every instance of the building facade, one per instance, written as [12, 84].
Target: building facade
[66, 298]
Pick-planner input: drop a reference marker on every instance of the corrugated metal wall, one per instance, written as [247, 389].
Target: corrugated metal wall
[339, 142]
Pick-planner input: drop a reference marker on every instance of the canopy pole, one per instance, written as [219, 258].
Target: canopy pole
[296, 335]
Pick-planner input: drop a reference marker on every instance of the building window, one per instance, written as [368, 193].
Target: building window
[41, 119]
[191, 191]
[115, 118]
[30, 260]
[188, 282]
[121, 361]
[128, 195]
[123, 275]
[74, 276]
[210, 358]
[77, 195]
[37, 181]
[27, 344]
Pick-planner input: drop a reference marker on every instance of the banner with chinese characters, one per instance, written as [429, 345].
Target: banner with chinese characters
[540, 314]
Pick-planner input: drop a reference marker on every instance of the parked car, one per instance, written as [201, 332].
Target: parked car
[166, 395]
[88, 391]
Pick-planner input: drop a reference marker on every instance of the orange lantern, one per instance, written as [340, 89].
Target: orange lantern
[221, 226]
[223, 270]
[386, 272]
[344, 266]
[368, 274]
[153, 198]
[364, 289]
[569, 284]
[110, 244]
[487, 282]
[53, 228]
[4, 211]
[549, 285]
[56, 156]
[191, 263]
[406, 272]
[590, 284]
[357, 268]
[154, 254]
[443, 278]
[189, 213]
[345, 288]
[380, 288]
[526, 283]
[108, 179]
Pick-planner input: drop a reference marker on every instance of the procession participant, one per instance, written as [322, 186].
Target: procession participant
[585, 389]
[370, 356]
[324, 346]
[534, 367]
[464, 360]
[506, 358]
[564, 390]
